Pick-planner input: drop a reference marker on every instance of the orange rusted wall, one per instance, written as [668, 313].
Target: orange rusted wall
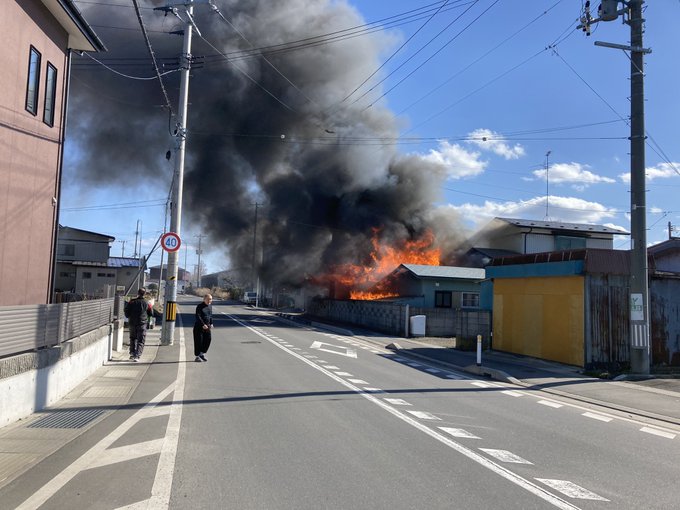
[541, 317]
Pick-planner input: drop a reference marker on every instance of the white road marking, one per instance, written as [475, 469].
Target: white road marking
[511, 393]
[342, 351]
[512, 477]
[322, 361]
[599, 417]
[482, 384]
[397, 402]
[343, 374]
[374, 390]
[423, 415]
[506, 456]
[657, 432]
[453, 376]
[549, 403]
[458, 433]
[571, 489]
[100, 454]
[432, 370]
[414, 364]
[332, 367]
[358, 381]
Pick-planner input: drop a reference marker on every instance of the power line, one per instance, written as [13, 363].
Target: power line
[448, 80]
[394, 53]
[433, 55]
[141, 78]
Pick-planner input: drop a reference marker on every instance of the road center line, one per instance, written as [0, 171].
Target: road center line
[502, 471]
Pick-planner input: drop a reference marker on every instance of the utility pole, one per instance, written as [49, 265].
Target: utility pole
[639, 284]
[199, 252]
[135, 255]
[168, 332]
[122, 252]
[547, 184]
[252, 276]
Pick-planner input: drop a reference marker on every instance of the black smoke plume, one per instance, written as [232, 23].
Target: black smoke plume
[304, 154]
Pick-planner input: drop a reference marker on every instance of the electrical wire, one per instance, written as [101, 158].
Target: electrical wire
[480, 58]
[253, 80]
[394, 53]
[430, 57]
[141, 78]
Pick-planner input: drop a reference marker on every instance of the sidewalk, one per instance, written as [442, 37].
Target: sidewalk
[27, 442]
[658, 399]
[655, 398]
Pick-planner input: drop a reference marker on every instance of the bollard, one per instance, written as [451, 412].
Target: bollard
[479, 350]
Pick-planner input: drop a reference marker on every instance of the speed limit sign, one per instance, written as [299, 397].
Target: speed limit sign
[170, 242]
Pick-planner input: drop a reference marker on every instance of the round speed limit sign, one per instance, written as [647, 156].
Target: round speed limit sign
[170, 242]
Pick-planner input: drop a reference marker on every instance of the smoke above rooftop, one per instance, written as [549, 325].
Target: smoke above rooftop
[295, 148]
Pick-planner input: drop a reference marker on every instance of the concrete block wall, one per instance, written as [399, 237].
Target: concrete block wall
[32, 381]
[387, 318]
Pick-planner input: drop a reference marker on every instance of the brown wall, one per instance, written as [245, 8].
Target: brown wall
[29, 153]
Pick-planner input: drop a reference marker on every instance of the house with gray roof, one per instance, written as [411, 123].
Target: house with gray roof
[435, 286]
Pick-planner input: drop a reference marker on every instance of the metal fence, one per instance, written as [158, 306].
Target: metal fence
[29, 327]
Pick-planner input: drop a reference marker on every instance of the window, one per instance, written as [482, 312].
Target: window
[86, 275]
[66, 274]
[50, 95]
[101, 275]
[442, 299]
[569, 243]
[470, 300]
[33, 83]
[111, 275]
[68, 250]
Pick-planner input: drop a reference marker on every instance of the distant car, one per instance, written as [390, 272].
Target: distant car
[250, 298]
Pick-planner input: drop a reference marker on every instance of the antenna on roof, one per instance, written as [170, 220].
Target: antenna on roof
[547, 184]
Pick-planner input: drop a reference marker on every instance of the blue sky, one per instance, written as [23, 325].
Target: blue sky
[501, 79]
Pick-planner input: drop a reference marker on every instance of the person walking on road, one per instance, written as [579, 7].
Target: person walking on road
[202, 327]
[137, 311]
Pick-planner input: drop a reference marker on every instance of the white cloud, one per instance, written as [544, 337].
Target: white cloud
[494, 142]
[575, 173]
[568, 209]
[660, 171]
[457, 162]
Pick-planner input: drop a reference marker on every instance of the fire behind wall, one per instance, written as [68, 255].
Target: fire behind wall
[328, 191]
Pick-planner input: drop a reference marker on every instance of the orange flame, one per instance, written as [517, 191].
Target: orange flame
[385, 259]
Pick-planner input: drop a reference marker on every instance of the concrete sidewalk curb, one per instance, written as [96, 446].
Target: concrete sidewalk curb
[499, 375]
[334, 329]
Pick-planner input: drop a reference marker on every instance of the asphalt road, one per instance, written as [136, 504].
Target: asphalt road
[285, 417]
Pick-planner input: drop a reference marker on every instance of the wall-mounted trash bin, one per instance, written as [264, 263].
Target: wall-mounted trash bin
[417, 325]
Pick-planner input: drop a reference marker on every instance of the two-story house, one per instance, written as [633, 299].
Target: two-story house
[84, 266]
[38, 37]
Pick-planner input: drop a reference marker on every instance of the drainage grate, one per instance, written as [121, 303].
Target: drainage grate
[251, 342]
[67, 419]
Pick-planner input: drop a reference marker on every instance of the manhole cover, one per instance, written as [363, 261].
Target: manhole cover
[67, 419]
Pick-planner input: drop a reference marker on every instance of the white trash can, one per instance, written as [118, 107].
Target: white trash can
[417, 325]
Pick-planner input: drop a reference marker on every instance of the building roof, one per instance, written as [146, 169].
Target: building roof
[561, 225]
[668, 245]
[122, 262]
[110, 238]
[80, 34]
[423, 271]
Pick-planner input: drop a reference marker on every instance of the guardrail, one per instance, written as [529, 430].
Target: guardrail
[30, 327]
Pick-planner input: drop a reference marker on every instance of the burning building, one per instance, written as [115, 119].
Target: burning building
[273, 120]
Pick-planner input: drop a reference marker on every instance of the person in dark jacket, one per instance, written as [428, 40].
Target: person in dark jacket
[137, 311]
[202, 328]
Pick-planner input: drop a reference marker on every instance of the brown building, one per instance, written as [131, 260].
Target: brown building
[38, 36]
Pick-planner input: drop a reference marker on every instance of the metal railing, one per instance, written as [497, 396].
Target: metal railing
[29, 327]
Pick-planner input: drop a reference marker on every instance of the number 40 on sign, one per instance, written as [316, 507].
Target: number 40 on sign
[170, 242]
